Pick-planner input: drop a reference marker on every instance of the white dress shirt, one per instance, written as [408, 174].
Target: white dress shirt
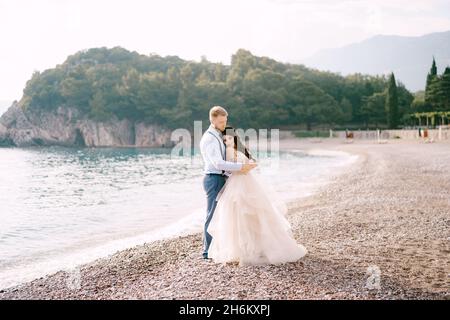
[213, 151]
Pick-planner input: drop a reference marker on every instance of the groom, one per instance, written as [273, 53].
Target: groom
[217, 169]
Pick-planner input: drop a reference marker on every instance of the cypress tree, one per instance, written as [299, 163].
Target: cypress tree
[432, 75]
[433, 70]
[444, 90]
[430, 88]
[392, 103]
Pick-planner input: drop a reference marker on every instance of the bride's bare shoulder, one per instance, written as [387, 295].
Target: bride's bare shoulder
[242, 157]
[236, 156]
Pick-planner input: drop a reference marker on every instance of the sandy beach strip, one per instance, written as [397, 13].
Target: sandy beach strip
[379, 230]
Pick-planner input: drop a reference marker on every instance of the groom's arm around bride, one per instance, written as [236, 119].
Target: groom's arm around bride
[213, 149]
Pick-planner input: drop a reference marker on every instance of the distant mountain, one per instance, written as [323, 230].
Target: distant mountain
[408, 57]
[4, 105]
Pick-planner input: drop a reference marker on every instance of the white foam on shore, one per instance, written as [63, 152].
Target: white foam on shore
[190, 224]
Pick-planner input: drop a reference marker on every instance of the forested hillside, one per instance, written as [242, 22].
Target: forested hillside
[258, 92]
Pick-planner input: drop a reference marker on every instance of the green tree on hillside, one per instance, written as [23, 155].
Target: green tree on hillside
[373, 109]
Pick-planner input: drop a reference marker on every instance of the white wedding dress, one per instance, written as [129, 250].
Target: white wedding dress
[249, 224]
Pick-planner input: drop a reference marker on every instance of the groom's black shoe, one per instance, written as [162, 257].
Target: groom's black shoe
[205, 256]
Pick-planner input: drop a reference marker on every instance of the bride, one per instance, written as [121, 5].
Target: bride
[249, 224]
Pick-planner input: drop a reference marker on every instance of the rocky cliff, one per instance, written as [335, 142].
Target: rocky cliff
[67, 127]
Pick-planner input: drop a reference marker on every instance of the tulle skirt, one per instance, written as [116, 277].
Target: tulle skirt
[249, 224]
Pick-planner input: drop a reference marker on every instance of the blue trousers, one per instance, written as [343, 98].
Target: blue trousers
[212, 184]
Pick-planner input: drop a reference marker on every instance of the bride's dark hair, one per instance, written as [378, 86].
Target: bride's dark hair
[238, 145]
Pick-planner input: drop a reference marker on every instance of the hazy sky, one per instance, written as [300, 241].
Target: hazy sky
[38, 34]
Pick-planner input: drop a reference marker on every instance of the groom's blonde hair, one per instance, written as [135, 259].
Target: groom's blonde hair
[216, 111]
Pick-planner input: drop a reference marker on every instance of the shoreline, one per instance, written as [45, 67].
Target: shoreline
[70, 258]
[332, 223]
